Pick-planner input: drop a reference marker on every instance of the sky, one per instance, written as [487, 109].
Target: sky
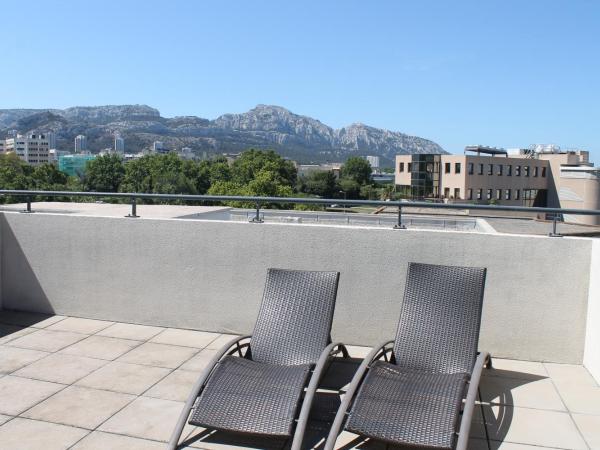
[501, 73]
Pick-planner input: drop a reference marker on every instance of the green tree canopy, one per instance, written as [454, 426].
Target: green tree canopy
[104, 174]
[357, 169]
[251, 162]
[321, 183]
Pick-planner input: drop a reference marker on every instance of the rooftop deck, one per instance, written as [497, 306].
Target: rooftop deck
[74, 383]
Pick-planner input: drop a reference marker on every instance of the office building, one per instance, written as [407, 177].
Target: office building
[74, 165]
[80, 144]
[32, 148]
[119, 144]
[527, 177]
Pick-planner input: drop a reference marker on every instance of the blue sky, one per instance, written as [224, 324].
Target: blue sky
[504, 73]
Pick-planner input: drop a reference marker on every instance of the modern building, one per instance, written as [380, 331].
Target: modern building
[74, 165]
[119, 144]
[80, 144]
[525, 177]
[374, 161]
[158, 147]
[54, 155]
[32, 148]
[186, 153]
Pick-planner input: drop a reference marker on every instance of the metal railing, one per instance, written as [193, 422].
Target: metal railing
[133, 197]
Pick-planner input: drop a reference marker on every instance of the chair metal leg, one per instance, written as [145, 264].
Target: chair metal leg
[189, 404]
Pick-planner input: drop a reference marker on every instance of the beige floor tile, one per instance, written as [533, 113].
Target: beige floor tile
[101, 347]
[146, 418]
[130, 331]
[580, 399]
[590, 428]
[80, 325]
[358, 351]
[185, 338]
[13, 358]
[11, 332]
[25, 434]
[176, 386]
[219, 342]
[19, 394]
[4, 419]
[516, 369]
[46, 340]
[495, 445]
[200, 361]
[125, 378]
[532, 427]
[79, 407]
[27, 319]
[159, 355]
[570, 375]
[540, 394]
[106, 441]
[61, 368]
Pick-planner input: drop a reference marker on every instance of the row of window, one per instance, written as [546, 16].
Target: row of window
[498, 169]
[478, 194]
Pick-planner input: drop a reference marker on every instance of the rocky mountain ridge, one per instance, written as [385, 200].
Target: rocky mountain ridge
[302, 138]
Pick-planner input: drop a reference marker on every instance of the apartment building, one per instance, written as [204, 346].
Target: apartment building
[494, 176]
[80, 144]
[33, 148]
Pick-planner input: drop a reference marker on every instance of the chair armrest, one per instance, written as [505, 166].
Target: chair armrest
[467, 415]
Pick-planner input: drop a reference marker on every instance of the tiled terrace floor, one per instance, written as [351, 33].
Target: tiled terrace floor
[70, 383]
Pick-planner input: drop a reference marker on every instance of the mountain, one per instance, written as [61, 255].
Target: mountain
[298, 137]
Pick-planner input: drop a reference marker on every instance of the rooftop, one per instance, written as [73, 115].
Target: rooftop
[83, 384]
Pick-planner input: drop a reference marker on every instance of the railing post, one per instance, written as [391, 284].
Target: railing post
[554, 232]
[399, 225]
[28, 210]
[256, 218]
[133, 209]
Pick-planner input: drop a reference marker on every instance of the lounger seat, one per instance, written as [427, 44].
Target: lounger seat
[404, 406]
[250, 397]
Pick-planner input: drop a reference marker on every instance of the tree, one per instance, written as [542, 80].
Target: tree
[357, 169]
[14, 174]
[350, 187]
[251, 162]
[46, 177]
[321, 183]
[104, 174]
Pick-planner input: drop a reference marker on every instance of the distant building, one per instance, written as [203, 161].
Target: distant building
[186, 153]
[231, 157]
[74, 165]
[119, 144]
[51, 139]
[32, 148]
[374, 161]
[1, 146]
[305, 169]
[523, 177]
[158, 147]
[80, 144]
[54, 154]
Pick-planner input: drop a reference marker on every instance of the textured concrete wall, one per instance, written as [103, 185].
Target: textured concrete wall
[209, 275]
[591, 358]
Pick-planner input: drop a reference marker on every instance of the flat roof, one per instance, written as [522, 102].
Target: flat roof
[486, 150]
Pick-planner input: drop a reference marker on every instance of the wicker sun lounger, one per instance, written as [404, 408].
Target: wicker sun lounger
[262, 390]
[422, 395]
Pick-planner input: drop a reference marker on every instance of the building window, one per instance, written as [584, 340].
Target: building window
[456, 192]
[526, 171]
[507, 194]
[498, 194]
[535, 171]
[479, 193]
[480, 169]
[490, 169]
[517, 171]
[500, 169]
[469, 194]
[401, 167]
[456, 167]
[517, 194]
[489, 194]
[447, 168]
[543, 172]
[470, 168]
[409, 168]
[446, 192]
[509, 171]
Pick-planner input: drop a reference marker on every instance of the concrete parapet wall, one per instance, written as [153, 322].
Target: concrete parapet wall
[209, 275]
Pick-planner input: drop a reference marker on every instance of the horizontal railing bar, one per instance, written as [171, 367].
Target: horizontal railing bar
[299, 200]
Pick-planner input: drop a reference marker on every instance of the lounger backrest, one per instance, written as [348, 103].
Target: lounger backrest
[440, 319]
[294, 321]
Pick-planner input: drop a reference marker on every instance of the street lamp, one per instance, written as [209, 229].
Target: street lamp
[344, 192]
